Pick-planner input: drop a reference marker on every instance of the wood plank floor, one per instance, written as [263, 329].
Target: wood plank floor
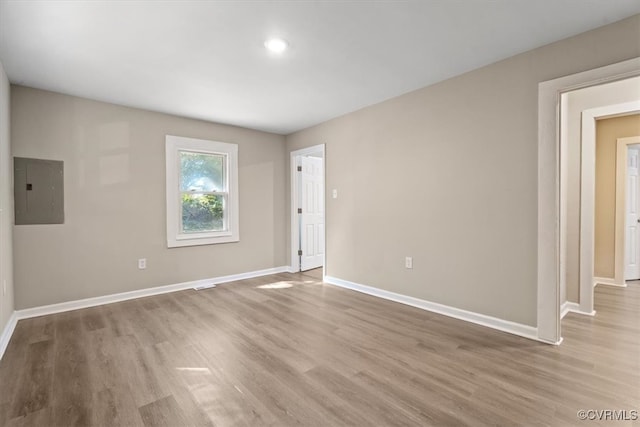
[288, 350]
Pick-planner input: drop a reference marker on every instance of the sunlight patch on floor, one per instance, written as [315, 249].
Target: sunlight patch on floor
[195, 370]
[287, 284]
[276, 285]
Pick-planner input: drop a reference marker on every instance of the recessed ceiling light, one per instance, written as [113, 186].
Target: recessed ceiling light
[276, 45]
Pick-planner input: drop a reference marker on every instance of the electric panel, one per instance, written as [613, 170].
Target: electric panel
[38, 191]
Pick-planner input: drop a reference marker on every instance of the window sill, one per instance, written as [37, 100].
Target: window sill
[199, 241]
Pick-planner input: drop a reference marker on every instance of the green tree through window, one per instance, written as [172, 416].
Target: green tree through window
[203, 191]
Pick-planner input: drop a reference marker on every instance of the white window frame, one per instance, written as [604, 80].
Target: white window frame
[175, 237]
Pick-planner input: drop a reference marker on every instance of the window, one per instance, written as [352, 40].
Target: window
[202, 192]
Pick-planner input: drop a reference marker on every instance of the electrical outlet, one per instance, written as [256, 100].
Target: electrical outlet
[142, 263]
[408, 262]
[334, 193]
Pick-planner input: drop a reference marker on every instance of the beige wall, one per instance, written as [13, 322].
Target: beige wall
[6, 206]
[607, 133]
[114, 160]
[576, 102]
[448, 174]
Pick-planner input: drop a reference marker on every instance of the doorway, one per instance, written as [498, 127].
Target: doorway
[308, 209]
[587, 202]
[550, 172]
[632, 216]
[627, 211]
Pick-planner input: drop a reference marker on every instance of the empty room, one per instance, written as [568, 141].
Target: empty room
[319, 213]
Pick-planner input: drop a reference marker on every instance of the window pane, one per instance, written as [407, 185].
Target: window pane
[201, 172]
[202, 212]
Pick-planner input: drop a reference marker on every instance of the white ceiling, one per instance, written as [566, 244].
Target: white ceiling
[205, 59]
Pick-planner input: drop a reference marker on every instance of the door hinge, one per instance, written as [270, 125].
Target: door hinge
[299, 210]
[299, 252]
[299, 168]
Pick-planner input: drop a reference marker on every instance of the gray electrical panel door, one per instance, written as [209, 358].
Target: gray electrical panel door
[38, 191]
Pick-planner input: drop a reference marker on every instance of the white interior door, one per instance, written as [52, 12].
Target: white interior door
[632, 229]
[311, 213]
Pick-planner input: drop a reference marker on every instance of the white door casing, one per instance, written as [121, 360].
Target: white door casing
[549, 201]
[622, 145]
[632, 229]
[294, 161]
[312, 212]
[587, 198]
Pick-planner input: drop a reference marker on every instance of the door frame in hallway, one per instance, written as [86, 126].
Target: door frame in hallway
[294, 202]
[550, 170]
[587, 198]
[620, 255]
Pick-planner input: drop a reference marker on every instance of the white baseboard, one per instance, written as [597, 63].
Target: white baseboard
[124, 296]
[514, 328]
[573, 307]
[607, 282]
[291, 269]
[568, 307]
[7, 332]
[108, 299]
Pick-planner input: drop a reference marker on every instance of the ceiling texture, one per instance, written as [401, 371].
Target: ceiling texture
[206, 59]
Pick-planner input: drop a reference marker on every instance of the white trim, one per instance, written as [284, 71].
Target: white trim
[548, 305]
[588, 194]
[608, 282]
[7, 332]
[568, 307]
[514, 328]
[573, 307]
[124, 296]
[564, 186]
[320, 148]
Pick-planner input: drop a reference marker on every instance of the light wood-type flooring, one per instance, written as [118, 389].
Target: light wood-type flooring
[289, 350]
